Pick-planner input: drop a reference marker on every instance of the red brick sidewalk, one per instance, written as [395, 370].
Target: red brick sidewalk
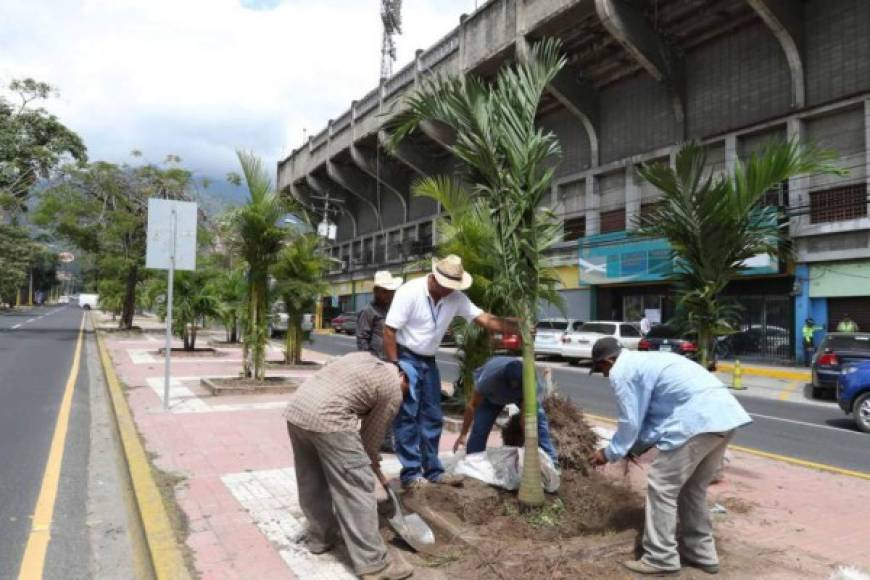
[239, 498]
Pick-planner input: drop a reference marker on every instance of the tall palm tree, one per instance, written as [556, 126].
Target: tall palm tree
[300, 278]
[259, 238]
[505, 158]
[231, 288]
[714, 223]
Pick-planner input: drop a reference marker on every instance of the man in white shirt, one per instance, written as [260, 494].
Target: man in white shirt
[421, 311]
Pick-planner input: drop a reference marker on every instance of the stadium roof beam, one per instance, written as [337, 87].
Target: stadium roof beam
[784, 18]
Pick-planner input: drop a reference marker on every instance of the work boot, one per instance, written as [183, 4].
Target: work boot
[392, 571]
[641, 567]
[708, 568]
[450, 479]
[415, 484]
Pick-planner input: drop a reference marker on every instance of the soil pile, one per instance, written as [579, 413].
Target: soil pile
[573, 438]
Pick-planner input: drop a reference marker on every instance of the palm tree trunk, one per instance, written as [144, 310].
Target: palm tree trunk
[531, 492]
[258, 325]
[129, 305]
[193, 338]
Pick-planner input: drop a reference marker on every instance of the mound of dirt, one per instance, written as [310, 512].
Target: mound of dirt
[574, 439]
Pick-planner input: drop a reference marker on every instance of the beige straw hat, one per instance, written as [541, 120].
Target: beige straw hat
[386, 280]
[450, 274]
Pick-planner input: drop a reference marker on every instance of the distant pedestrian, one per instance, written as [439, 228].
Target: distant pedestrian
[336, 421]
[847, 324]
[672, 403]
[418, 318]
[370, 328]
[645, 325]
[807, 333]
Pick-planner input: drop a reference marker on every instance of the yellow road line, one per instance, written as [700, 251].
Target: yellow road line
[33, 560]
[166, 556]
[766, 372]
[785, 394]
[776, 456]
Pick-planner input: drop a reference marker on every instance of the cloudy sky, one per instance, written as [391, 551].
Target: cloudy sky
[199, 78]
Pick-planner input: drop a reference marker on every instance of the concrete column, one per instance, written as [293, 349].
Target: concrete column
[593, 217]
[801, 307]
[798, 187]
[730, 153]
[418, 67]
[867, 150]
[632, 196]
[461, 34]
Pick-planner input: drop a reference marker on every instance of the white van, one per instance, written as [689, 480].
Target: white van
[88, 301]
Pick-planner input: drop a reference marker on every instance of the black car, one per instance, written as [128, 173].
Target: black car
[664, 338]
[836, 351]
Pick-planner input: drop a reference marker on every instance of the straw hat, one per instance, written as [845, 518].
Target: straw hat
[449, 273]
[386, 281]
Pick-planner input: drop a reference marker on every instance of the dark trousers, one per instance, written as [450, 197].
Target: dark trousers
[484, 418]
[417, 427]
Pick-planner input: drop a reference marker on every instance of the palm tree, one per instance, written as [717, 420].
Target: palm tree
[715, 223]
[299, 275]
[194, 300]
[259, 238]
[230, 287]
[506, 158]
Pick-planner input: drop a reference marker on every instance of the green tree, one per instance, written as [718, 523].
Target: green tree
[194, 300]
[507, 165]
[111, 296]
[103, 210]
[230, 287]
[33, 143]
[259, 236]
[16, 255]
[714, 223]
[300, 279]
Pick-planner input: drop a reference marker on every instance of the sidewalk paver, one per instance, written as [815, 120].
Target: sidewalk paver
[239, 492]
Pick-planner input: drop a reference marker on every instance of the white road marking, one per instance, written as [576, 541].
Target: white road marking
[806, 424]
[16, 326]
[183, 400]
[30, 320]
[271, 499]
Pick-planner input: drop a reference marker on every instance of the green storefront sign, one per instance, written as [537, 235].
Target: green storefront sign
[840, 279]
[620, 258]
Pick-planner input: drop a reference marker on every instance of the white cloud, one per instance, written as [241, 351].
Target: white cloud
[199, 78]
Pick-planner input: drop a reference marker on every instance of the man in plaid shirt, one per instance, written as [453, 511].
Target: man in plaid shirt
[336, 421]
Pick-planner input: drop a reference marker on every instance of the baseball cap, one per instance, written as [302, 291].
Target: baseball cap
[603, 349]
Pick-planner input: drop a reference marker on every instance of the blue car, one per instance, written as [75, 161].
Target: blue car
[853, 393]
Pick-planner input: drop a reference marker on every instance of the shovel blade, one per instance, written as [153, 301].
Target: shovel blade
[413, 530]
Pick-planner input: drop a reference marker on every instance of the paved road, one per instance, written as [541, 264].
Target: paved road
[36, 353]
[817, 433]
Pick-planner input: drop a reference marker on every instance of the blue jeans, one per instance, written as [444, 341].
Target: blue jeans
[484, 418]
[417, 427]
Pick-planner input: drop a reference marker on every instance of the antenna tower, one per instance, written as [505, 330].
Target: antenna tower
[391, 16]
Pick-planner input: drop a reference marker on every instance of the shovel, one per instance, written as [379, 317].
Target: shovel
[410, 527]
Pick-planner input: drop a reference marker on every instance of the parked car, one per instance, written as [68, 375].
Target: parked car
[577, 344]
[64, 299]
[509, 343]
[345, 323]
[664, 338]
[548, 335]
[89, 301]
[836, 352]
[853, 393]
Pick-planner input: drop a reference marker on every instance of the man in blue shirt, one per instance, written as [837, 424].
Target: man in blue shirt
[497, 383]
[671, 403]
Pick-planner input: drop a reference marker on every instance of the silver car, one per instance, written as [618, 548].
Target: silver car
[548, 335]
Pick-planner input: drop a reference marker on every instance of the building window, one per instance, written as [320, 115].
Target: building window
[424, 243]
[575, 228]
[357, 254]
[648, 209]
[838, 203]
[368, 251]
[776, 196]
[613, 221]
[394, 248]
[381, 249]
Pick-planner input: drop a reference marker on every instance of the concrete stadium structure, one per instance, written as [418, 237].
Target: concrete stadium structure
[643, 76]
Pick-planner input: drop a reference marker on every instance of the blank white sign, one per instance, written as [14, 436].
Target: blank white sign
[161, 213]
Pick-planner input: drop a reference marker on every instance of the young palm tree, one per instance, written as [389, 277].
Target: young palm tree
[230, 287]
[505, 156]
[715, 223]
[259, 238]
[299, 275]
[194, 300]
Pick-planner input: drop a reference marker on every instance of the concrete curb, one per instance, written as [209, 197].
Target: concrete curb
[766, 372]
[165, 554]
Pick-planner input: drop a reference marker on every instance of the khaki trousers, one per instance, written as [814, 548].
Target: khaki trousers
[677, 488]
[337, 493]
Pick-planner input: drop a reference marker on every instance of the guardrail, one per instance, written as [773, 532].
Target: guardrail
[445, 47]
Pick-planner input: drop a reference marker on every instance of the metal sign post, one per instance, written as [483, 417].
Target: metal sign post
[171, 246]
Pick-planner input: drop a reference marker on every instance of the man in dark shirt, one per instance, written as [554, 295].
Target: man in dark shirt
[370, 328]
[370, 322]
[497, 383]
